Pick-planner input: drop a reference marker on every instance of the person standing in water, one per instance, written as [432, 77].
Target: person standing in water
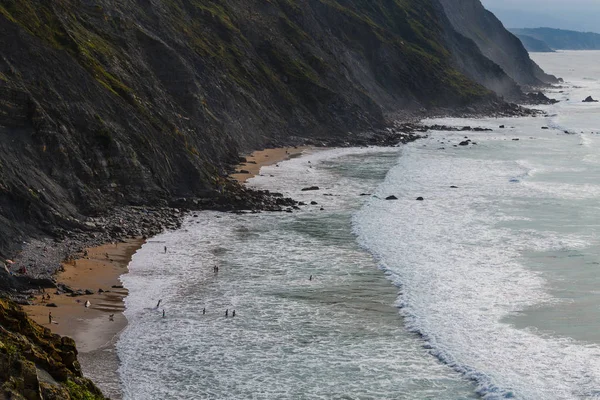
[163, 313]
[227, 313]
[233, 313]
[204, 311]
[165, 249]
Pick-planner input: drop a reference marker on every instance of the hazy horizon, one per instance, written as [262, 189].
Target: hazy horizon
[577, 15]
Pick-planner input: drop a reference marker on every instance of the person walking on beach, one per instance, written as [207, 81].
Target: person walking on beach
[233, 313]
[204, 311]
[50, 317]
[227, 313]
[165, 249]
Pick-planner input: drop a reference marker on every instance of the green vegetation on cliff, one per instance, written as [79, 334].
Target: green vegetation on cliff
[36, 364]
[111, 102]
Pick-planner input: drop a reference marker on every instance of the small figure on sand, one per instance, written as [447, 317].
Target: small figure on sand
[50, 317]
[204, 311]
[165, 249]
[227, 313]
[233, 313]
[164, 316]
[87, 304]
[216, 269]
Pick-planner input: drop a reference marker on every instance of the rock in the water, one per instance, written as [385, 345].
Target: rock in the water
[306, 189]
[545, 127]
[89, 292]
[420, 199]
[589, 99]
[501, 126]
[453, 187]
[314, 203]
[391, 198]
[465, 143]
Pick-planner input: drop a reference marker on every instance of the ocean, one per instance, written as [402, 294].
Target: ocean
[488, 289]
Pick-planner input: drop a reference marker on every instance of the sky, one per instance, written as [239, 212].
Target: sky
[579, 15]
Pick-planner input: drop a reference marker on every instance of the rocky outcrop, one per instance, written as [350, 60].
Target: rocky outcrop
[36, 364]
[472, 20]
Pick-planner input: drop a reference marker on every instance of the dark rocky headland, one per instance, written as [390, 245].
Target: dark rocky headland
[117, 117]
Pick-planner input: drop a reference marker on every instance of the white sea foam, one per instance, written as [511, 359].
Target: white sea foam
[518, 234]
[458, 255]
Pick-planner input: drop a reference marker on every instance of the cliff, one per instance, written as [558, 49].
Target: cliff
[534, 45]
[36, 364]
[472, 20]
[106, 103]
[560, 39]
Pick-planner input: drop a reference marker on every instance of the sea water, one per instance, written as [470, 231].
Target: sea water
[489, 287]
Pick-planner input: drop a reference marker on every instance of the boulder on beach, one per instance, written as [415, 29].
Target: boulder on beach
[420, 198]
[306, 189]
[590, 99]
[465, 143]
[51, 305]
[391, 198]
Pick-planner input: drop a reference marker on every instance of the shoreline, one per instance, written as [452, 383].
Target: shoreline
[94, 332]
[262, 158]
[101, 267]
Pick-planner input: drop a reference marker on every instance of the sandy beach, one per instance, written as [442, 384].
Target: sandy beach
[258, 159]
[92, 329]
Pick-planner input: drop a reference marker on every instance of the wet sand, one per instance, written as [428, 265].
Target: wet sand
[92, 328]
[258, 159]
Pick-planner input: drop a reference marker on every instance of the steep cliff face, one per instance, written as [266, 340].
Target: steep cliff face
[472, 20]
[110, 102]
[468, 59]
[36, 364]
[534, 45]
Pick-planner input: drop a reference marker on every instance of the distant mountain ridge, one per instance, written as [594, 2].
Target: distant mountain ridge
[557, 39]
[534, 45]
